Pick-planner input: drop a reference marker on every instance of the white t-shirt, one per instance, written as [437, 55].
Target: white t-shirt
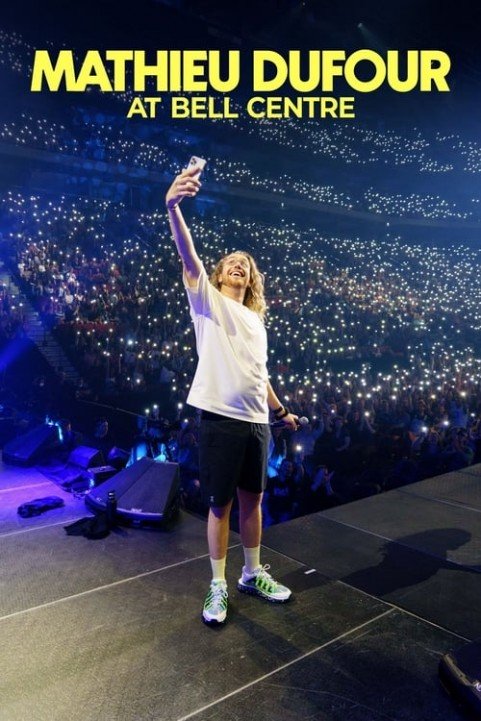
[231, 376]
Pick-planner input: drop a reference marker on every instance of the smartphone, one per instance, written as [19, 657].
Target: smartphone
[197, 163]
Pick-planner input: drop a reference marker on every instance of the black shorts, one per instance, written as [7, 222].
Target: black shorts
[232, 454]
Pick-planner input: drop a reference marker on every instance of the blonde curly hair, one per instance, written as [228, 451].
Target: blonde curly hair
[254, 297]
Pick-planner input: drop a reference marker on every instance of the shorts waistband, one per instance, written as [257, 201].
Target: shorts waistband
[209, 416]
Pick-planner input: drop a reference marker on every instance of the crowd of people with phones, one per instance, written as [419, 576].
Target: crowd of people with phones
[373, 342]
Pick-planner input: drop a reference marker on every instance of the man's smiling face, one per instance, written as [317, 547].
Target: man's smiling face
[235, 271]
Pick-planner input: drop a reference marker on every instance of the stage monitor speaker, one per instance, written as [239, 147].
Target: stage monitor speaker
[86, 457]
[146, 493]
[26, 449]
[117, 458]
[460, 674]
[99, 474]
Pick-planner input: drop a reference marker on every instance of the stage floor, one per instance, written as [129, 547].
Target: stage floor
[110, 630]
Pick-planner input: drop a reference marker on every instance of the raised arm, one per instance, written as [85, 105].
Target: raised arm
[187, 184]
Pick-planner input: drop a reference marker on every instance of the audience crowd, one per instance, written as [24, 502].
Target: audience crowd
[102, 140]
[374, 342]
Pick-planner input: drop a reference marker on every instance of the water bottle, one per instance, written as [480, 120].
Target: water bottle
[111, 509]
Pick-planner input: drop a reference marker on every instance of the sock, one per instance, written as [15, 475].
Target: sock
[252, 558]
[218, 568]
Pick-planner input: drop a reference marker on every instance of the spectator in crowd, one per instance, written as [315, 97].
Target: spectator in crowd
[317, 492]
[102, 438]
[281, 496]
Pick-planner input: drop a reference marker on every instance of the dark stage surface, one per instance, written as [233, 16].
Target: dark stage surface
[110, 630]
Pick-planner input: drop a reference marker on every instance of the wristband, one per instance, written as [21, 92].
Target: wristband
[282, 415]
[172, 207]
[278, 410]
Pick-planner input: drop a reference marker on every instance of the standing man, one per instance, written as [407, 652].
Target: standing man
[232, 389]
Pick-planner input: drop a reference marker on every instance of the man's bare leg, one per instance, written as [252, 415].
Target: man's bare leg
[218, 538]
[255, 579]
[250, 518]
[215, 606]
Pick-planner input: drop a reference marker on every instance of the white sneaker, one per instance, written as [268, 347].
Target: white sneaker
[215, 605]
[262, 584]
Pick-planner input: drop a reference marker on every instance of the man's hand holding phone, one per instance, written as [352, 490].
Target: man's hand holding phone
[186, 184]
